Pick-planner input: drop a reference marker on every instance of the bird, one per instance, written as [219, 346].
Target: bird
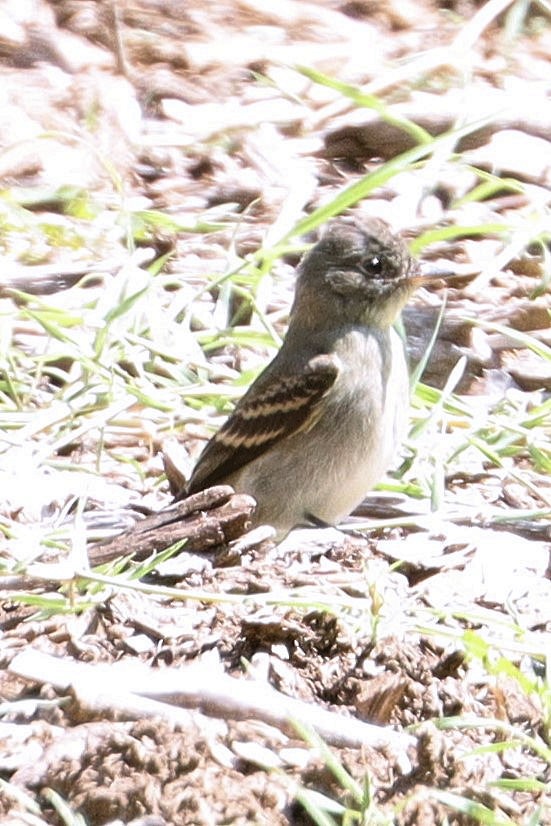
[322, 422]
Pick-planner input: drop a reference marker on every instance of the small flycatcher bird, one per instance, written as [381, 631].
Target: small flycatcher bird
[320, 425]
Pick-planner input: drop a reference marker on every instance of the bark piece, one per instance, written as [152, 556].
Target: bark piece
[210, 518]
[375, 137]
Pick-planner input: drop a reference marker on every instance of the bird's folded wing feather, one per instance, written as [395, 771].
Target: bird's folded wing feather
[267, 414]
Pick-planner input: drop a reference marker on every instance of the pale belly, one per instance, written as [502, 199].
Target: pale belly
[326, 472]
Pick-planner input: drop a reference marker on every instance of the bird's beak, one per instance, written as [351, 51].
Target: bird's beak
[430, 274]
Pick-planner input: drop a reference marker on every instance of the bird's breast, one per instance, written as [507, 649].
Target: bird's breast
[365, 419]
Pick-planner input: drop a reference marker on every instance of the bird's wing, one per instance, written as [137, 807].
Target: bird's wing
[272, 410]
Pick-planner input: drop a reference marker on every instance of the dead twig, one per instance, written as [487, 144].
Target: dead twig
[215, 695]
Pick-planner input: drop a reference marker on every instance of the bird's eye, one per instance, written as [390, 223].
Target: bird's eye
[373, 265]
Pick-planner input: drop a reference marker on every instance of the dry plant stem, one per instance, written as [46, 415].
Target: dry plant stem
[45, 279]
[472, 31]
[215, 695]
[118, 41]
[212, 517]
[91, 704]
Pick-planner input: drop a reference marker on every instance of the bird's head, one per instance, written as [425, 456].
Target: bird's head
[360, 271]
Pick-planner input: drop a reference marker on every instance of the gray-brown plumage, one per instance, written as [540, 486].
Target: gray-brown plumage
[321, 423]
